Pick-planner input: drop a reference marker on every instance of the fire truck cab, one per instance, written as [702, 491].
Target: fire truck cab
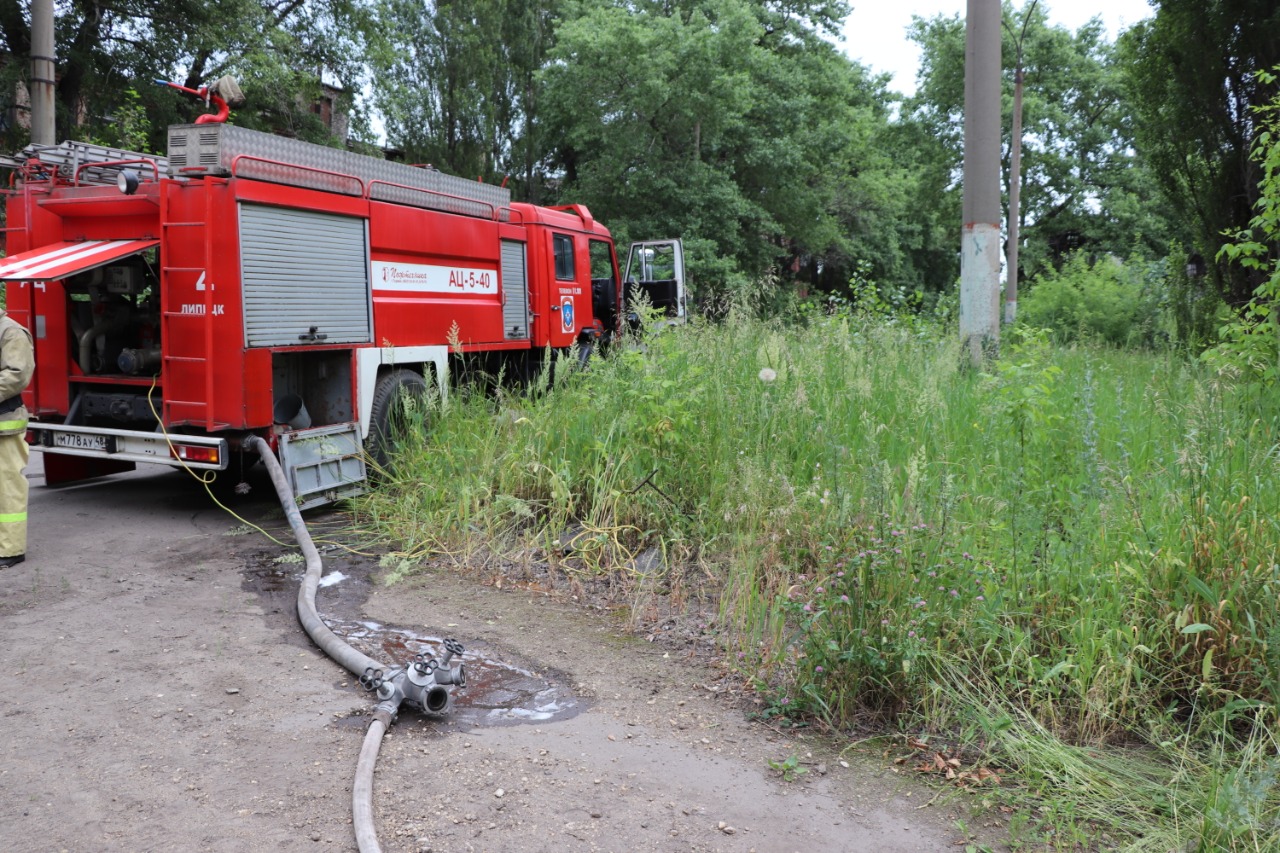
[254, 284]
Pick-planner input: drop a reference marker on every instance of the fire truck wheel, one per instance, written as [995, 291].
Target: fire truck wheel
[387, 415]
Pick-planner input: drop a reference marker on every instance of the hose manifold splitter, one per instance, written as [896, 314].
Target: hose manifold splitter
[422, 683]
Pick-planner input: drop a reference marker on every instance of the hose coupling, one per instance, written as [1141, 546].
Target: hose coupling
[384, 712]
[456, 676]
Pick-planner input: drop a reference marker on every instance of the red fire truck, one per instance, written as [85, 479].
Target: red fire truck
[254, 284]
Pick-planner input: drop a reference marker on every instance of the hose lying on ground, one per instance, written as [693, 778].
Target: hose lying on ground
[355, 661]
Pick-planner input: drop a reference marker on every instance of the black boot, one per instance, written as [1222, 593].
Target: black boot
[6, 562]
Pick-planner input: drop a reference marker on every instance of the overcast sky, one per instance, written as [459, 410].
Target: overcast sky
[875, 33]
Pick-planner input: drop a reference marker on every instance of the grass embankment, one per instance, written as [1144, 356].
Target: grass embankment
[1073, 552]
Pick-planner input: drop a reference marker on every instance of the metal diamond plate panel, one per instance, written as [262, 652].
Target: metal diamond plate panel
[219, 149]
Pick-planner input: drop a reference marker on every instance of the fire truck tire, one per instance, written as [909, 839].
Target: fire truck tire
[386, 414]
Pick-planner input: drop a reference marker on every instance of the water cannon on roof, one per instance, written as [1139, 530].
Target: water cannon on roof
[223, 93]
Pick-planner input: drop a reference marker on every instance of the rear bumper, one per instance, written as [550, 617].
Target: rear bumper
[126, 445]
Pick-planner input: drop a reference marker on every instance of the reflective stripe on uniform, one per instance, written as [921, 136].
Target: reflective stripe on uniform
[11, 517]
[19, 424]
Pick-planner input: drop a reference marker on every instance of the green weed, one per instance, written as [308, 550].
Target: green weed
[1086, 537]
[788, 768]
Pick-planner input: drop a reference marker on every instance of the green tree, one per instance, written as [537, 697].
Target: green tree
[1192, 74]
[1252, 340]
[731, 123]
[1083, 183]
[279, 49]
[455, 82]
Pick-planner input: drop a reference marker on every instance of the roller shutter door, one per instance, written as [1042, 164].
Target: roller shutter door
[515, 292]
[302, 269]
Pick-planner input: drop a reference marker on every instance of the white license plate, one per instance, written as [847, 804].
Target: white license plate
[77, 441]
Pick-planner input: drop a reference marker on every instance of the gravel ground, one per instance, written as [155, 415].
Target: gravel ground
[157, 693]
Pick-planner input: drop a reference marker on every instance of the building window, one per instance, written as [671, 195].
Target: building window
[563, 247]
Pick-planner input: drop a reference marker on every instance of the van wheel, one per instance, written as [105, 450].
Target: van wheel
[387, 417]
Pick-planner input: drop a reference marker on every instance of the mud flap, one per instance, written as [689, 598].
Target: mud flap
[60, 469]
[325, 464]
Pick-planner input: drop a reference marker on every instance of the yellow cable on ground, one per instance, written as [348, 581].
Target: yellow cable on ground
[202, 479]
[207, 479]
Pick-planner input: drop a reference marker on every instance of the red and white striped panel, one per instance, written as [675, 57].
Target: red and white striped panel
[59, 260]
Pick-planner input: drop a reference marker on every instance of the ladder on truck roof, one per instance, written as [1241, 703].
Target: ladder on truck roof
[226, 150]
[230, 151]
[70, 157]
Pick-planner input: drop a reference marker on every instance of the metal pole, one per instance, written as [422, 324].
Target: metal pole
[1015, 200]
[1015, 179]
[42, 73]
[980, 232]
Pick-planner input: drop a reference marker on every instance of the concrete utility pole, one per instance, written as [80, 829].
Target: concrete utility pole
[980, 232]
[42, 74]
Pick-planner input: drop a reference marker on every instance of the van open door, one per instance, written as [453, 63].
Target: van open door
[656, 269]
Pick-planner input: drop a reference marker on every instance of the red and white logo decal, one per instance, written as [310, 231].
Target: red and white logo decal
[430, 278]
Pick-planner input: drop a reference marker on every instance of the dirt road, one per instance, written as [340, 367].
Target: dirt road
[156, 693]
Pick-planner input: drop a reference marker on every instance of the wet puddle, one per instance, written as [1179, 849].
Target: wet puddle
[271, 582]
[498, 692]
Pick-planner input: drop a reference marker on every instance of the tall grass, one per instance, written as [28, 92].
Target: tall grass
[1090, 535]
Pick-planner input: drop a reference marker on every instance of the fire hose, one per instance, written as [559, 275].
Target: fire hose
[422, 683]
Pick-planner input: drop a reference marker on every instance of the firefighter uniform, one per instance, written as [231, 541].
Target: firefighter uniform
[17, 363]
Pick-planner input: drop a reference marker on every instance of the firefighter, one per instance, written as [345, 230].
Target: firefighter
[17, 363]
